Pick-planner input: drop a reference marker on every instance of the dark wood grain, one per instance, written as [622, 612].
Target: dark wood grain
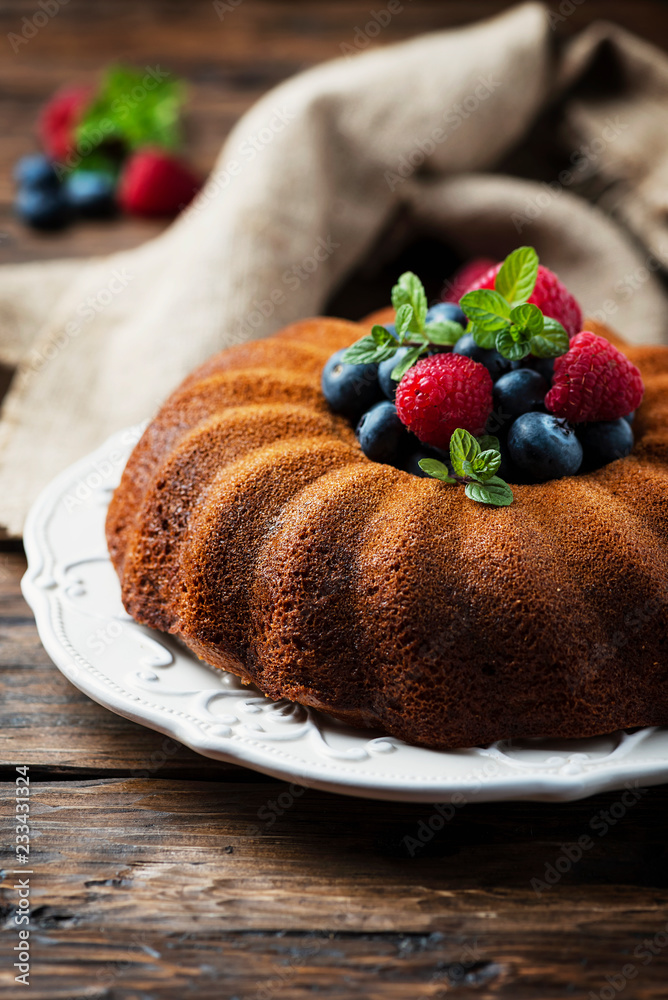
[161, 874]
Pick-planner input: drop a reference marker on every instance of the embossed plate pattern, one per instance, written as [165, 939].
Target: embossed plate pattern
[154, 680]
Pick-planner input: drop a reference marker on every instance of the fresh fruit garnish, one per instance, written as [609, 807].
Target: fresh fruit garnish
[350, 389]
[43, 208]
[414, 328]
[544, 447]
[59, 120]
[91, 194]
[548, 293]
[464, 279]
[444, 392]
[594, 381]
[474, 464]
[605, 441]
[504, 318]
[520, 392]
[35, 171]
[155, 183]
[381, 434]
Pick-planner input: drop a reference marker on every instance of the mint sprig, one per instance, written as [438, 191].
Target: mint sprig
[475, 462]
[413, 330]
[503, 319]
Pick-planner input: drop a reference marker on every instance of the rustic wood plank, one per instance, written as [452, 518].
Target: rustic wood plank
[180, 873]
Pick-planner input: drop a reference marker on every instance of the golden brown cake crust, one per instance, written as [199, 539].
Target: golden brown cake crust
[249, 523]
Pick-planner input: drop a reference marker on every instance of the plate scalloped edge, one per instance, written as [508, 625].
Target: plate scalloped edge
[154, 680]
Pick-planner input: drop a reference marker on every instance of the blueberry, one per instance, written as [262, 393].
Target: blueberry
[35, 171]
[382, 435]
[446, 310]
[494, 362]
[630, 417]
[91, 193]
[350, 389]
[520, 392]
[545, 367]
[387, 383]
[391, 328]
[43, 208]
[544, 446]
[604, 441]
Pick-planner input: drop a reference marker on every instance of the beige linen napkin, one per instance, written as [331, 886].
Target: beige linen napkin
[304, 187]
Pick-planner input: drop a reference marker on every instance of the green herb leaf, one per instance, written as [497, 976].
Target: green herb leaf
[488, 442]
[552, 342]
[408, 360]
[495, 492]
[135, 107]
[486, 465]
[517, 276]
[436, 469]
[367, 351]
[443, 332]
[403, 319]
[381, 336]
[486, 309]
[463, 449]
[483, 338]
[528, 317]
[409, 290]
[512, 348]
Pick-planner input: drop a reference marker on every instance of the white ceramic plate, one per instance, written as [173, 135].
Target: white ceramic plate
[154, 680]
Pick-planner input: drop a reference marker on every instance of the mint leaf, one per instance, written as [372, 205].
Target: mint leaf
[381, 336]
[486, 465]
[517, 276]
[513, 344]
[552, 342]
[444, 332]
[483, 338]
[495, 492]
[436, 469]
[134, 107]
[486, 309]
[403, 319]
[409, 290]
[488, 442]
[367, 351]
[528, 317]
[463, 449]
[408, 360]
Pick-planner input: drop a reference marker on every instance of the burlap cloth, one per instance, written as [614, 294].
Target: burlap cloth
[304, 187]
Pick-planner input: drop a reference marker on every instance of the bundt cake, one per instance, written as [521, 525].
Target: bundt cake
[249, 523]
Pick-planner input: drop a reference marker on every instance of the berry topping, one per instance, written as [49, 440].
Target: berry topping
[442, 393]
[385, 369]
[43, 208]
[544, 447]
[382, 436]
[551, 297]
[35, 171]
[466, 278]
[91, 193]
[494, 362]
[519, 392]
[155, 183]
[593, 381]
[350, 389]
[605, 441]
[59, 119]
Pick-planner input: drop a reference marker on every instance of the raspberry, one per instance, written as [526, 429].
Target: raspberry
[444, 392]
[59, 119]
[464, 278]
[551, 297]
[593, 381]
[155, 183]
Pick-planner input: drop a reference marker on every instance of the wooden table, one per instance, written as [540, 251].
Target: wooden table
[159, 873]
